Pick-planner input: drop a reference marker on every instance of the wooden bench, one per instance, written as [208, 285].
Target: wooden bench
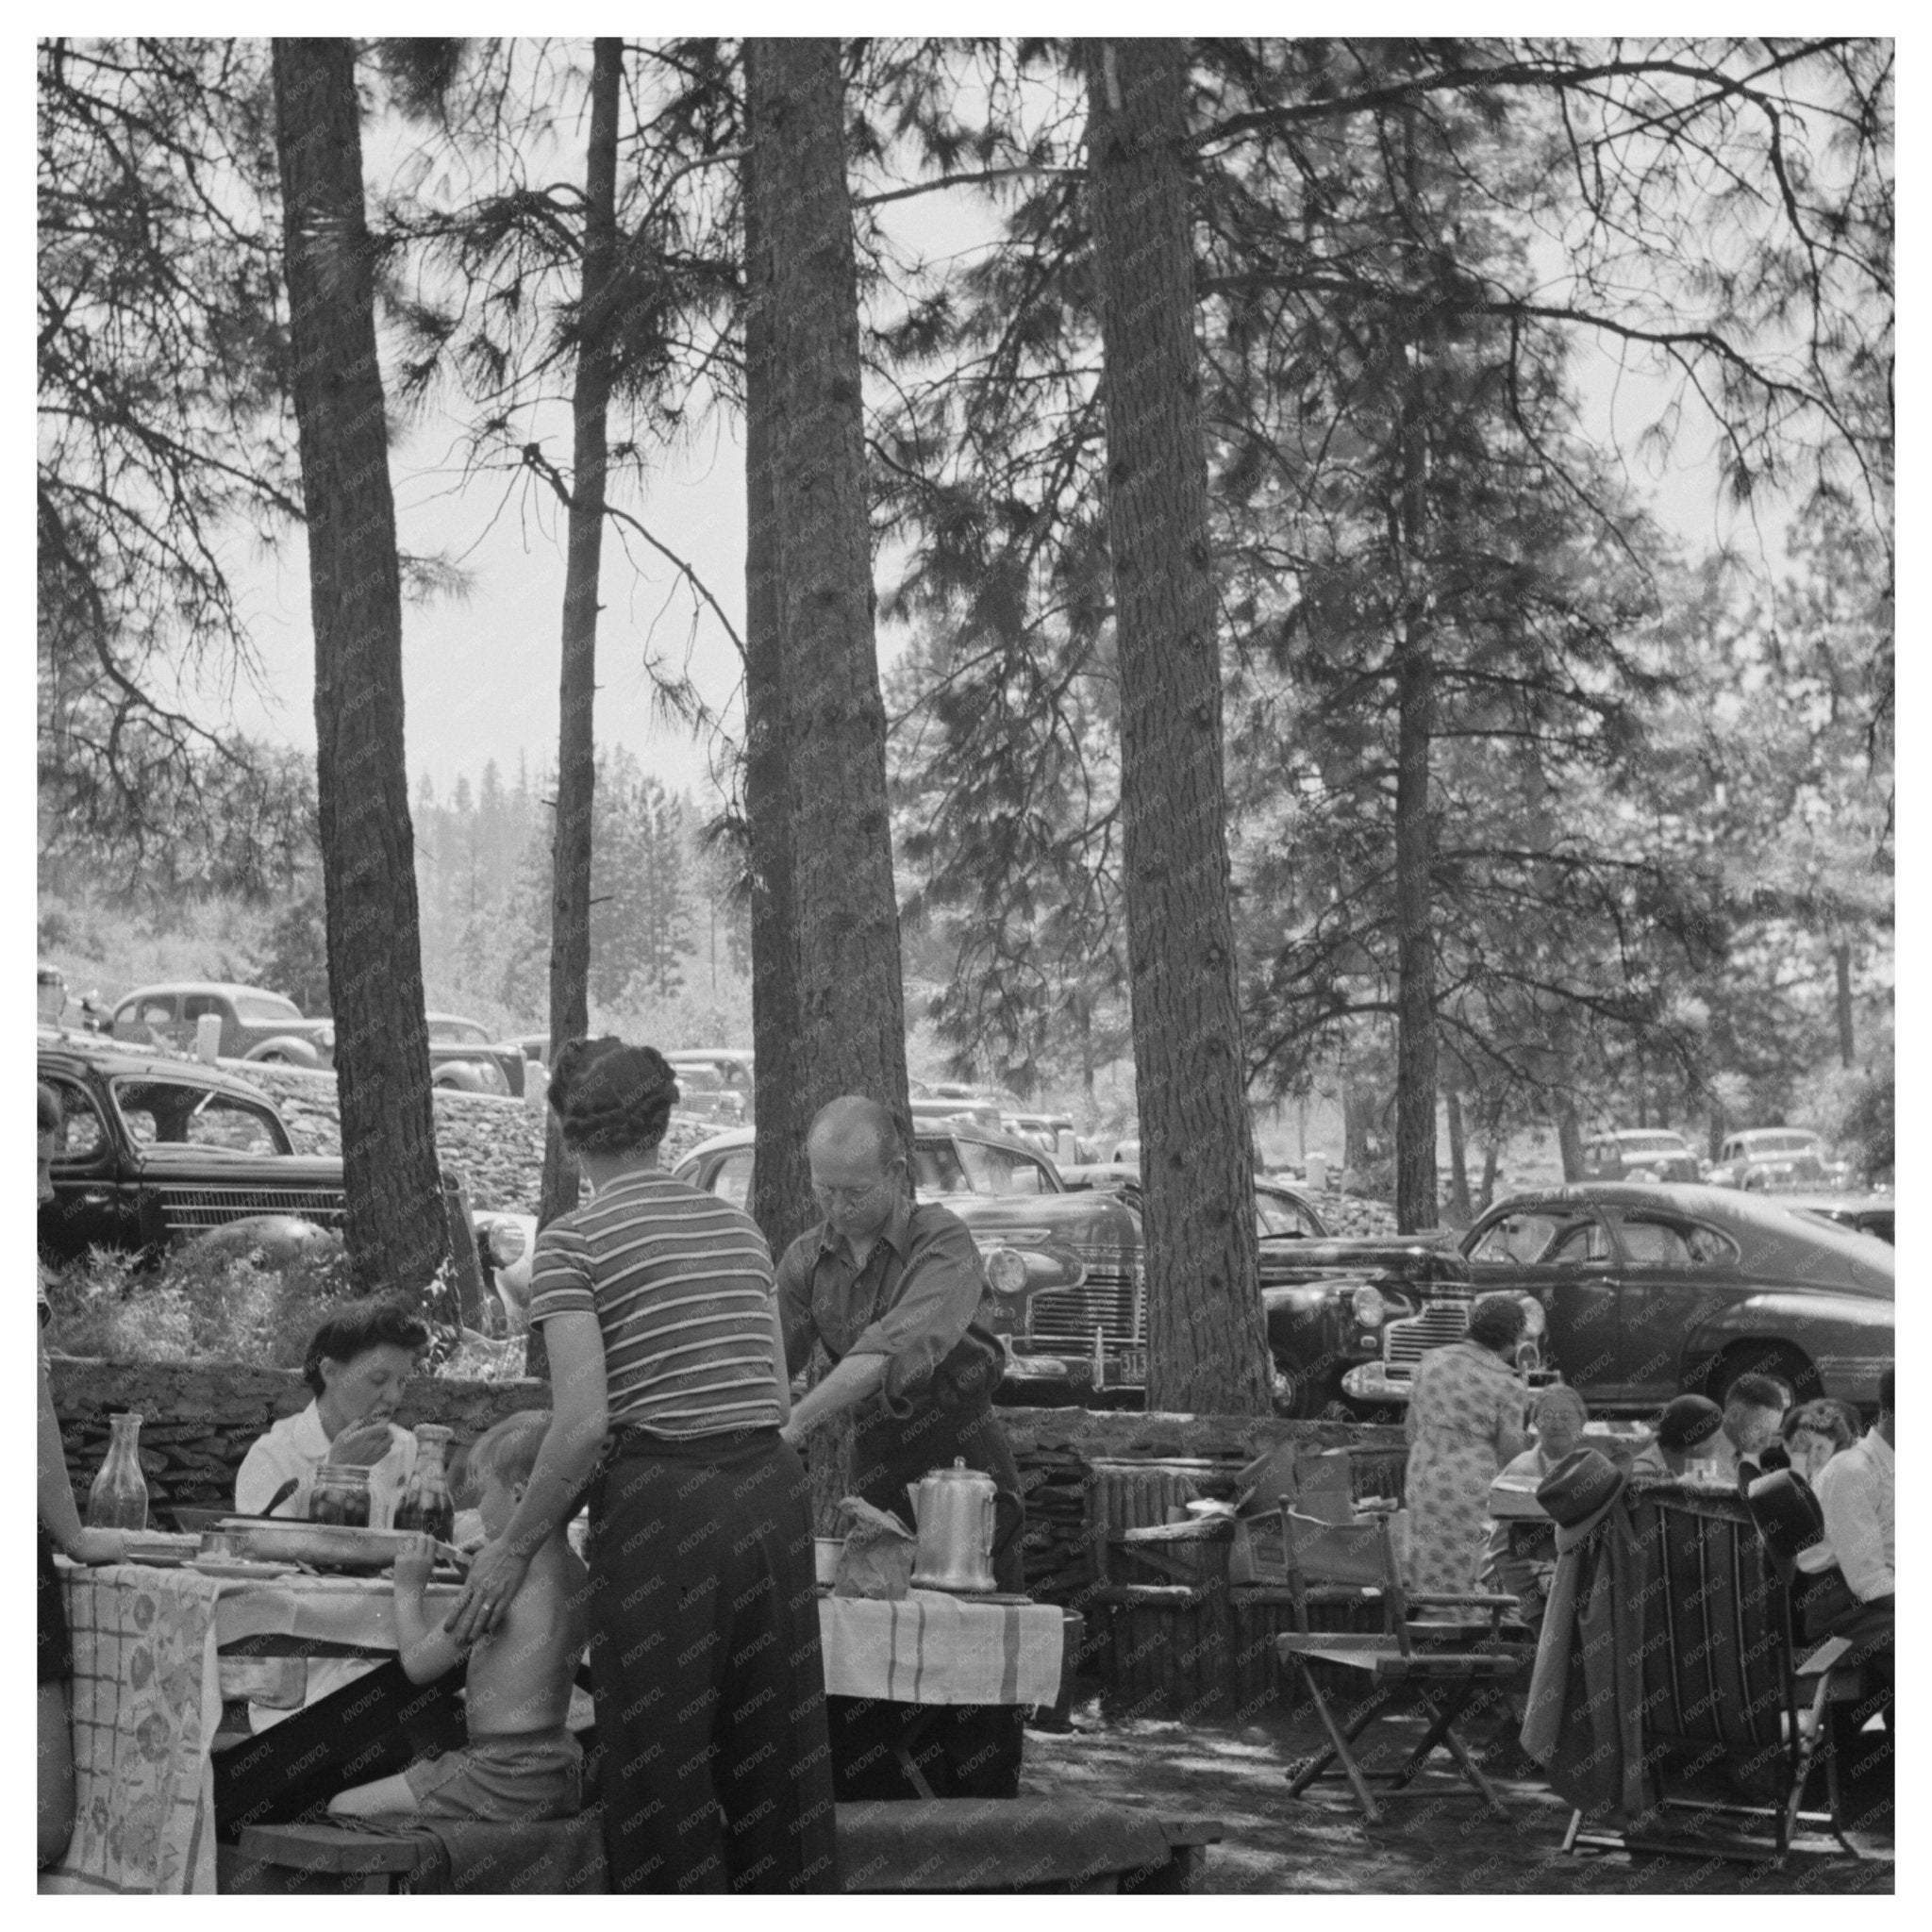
[939, 1845]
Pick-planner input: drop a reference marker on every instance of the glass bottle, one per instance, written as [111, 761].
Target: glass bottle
[427, 1503]
[119, 1497]
[341, 1494]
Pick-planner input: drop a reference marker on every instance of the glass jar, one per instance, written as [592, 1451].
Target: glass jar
[427, 1503]
[118, 1499]
[339, 1494]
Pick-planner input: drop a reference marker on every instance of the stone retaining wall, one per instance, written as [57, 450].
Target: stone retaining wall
[199, 1421]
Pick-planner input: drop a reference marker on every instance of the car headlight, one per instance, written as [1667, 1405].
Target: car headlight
[1534, 1322]
[1006, 1272]
[326, 1040]
[1370, 1308]
[506, 1242]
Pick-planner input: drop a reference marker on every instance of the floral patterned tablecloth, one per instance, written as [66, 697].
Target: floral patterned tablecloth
[146, 1702]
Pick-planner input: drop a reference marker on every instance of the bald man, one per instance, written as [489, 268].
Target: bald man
[893, 1289]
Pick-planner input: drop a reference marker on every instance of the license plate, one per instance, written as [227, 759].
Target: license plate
[1129, 1367]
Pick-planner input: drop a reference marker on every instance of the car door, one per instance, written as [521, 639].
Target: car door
[1673, 1275]
[94, 1205]
[1560, 1251]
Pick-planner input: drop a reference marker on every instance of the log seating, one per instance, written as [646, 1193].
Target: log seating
[941, 1845]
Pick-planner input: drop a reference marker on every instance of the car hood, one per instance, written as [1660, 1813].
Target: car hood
[1091, 1219]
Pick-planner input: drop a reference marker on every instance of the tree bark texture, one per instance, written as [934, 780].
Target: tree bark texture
[1842, 960]
[1206, 1345]
[780, 1200]
[1459, 1159]
[576, 748]
[398, 1238]
[844, 913]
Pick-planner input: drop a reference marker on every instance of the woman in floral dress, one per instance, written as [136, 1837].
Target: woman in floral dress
[1465, 1422]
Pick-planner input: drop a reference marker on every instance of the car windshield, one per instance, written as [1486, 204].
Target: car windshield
[1001, 1170]
[1275, 1215]
[265, 1005]
[183, 1113]
[1652, 1144]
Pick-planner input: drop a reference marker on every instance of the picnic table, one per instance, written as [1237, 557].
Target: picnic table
[157, 1652]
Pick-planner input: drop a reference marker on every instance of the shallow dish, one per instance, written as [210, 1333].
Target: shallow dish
[326, 1545]
[237, 1567]
[160, 1550]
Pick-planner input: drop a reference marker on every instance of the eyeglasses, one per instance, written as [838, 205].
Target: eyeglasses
[847, 1197]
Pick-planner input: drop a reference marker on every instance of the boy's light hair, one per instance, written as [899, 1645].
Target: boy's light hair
[509, 1448]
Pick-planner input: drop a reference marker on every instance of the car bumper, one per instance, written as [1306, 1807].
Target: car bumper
[1377, 1382]
[1124, 1370]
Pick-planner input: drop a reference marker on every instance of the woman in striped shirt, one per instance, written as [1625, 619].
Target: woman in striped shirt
[661, 1325]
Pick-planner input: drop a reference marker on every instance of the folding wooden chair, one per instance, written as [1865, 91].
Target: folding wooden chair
[1440, 1661]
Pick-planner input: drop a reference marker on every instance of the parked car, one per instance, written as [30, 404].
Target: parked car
[1772, 1157]
[1867, 1213]
[1066, 1285]
[1639, 1154]
[1648, 1291]
[154, 1152]
[733, 1065]
[462, 1056]
[255, 1024]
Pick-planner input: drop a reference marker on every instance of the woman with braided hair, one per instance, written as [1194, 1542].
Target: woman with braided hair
[661, 1325]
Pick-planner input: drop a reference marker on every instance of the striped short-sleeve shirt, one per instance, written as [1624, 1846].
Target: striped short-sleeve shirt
[680, 1283]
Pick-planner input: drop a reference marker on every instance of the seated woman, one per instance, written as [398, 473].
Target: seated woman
[1559, 1416]
[1686, 1442]
[357, 1364]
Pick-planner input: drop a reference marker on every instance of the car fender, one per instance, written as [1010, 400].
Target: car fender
[1847, 1337]
[460, 1075]
[288, 1046]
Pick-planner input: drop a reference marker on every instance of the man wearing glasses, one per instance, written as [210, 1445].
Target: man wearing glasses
[893, 1287]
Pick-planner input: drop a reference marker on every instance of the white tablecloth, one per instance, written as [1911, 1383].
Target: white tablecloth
[932, 1648]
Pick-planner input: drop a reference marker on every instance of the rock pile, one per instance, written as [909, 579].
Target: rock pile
[494, 1145]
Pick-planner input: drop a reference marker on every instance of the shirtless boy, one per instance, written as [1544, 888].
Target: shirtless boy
[521, 1763]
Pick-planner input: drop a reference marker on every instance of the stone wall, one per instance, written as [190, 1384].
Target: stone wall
[198, 1422]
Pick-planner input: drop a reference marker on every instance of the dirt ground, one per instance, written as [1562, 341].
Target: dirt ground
[1444, 1841]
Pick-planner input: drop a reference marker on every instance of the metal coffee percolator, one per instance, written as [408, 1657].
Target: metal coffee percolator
[954, 1509]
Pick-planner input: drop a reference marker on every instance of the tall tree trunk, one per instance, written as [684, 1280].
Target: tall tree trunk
[1569, 1142]
[819, 759]
[851, 1035]
[781, 1202]
[576, 747]
[398, 1239]
[1841, 958]
[1459, 1159]
[1492, 1155]
[1415, 946]
[1206, 1345]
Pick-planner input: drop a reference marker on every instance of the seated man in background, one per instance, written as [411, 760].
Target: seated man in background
[1855, 1490]
[1748, 1444]
[1688, 1430]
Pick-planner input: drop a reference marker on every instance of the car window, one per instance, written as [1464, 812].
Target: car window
[732, 1181]
[936, 1169]
[225, 1125]
[1554, 1236]
[1001, 1170]
[177, 1113]
[196, 1003]
[158, 1009]
[261, 1007]
[1652, 1244]
[83, 1132]
[1275, 1215]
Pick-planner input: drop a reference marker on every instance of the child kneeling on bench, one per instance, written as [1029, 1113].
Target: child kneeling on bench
[521, 1763]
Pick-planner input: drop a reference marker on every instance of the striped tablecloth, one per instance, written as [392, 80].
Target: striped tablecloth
[932, 1648]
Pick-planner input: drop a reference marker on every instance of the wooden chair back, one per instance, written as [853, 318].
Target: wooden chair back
[1359, 1554]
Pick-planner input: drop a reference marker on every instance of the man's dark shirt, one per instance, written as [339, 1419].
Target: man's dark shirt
[917, 1300]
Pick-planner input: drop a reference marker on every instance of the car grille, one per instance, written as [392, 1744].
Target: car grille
[188, 1211]
[1440, 1324]
[1065, 1318]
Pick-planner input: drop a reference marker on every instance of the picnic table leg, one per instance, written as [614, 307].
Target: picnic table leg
[1342, 1739]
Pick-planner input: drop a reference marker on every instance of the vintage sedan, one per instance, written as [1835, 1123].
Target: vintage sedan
[1647, 1292]
[1066, 1284]
[1875, 1214]
[155, 1153]
[463, 1057]
[255, 1024]
[1639, 1154]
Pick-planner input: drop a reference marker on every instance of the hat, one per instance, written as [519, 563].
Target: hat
[1687, 1421]
[1577, 1494]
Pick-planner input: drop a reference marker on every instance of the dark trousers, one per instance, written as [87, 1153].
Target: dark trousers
[378, 1724]
[716, 1770]
[891, 1452]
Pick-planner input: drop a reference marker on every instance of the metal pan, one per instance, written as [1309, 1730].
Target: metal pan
[327, 1545]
